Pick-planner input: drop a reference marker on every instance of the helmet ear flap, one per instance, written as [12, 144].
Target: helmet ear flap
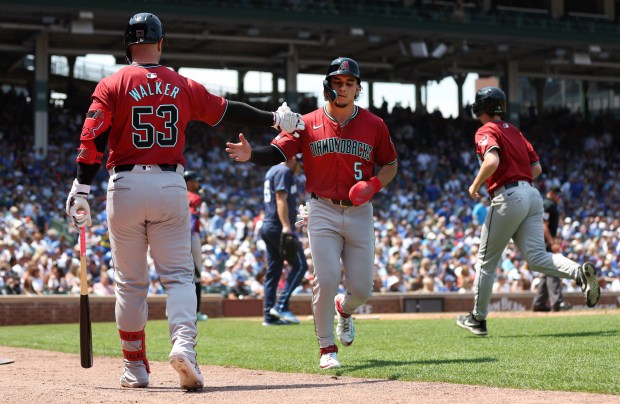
[329, 92]
[475, 111]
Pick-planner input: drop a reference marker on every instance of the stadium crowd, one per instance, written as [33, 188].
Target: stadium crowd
[427, 227]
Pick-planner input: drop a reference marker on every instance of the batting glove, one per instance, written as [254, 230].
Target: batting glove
[284, 108]
[304, 212]
[77, 206]
[287, 121]
[361, 192]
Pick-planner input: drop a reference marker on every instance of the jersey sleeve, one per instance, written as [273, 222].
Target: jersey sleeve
[288, 144]
[102, 98]
[485, 140]
[531, 152]
[97, 122]
[206, 107]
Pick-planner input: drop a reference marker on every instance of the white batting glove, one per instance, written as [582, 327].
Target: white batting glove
[287, 121]
[304, 212]
[283, 108]
[77, 206]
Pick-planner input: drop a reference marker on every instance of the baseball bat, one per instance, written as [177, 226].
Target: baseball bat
[86, 336]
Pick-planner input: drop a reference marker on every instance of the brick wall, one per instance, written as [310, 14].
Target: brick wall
[21, 310]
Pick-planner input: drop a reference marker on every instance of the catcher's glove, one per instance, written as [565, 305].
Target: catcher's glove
[288, 246]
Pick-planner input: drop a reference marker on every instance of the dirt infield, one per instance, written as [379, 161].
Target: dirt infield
[52, 377]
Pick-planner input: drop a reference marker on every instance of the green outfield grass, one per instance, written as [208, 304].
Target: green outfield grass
[569, 353]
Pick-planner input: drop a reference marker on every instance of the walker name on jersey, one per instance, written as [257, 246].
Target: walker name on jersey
[343, 146]
[156, 88]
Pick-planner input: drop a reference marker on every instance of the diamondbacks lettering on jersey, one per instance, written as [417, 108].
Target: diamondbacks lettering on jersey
[147, 89]
[342, 146]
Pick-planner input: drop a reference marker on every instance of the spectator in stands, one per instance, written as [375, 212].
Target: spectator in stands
[104, 286]
[239, 289]
[560, 152]
[55, 282]
[305, 288]
[479, 211]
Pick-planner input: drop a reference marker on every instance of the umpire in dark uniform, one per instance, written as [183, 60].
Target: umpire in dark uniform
[280, 193]
[550, 287]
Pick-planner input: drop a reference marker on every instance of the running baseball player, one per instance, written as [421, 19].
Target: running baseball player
[341, 145]
[508, 164]
[140, 113]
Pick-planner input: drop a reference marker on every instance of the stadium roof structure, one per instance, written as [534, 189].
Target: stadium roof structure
[391, 41]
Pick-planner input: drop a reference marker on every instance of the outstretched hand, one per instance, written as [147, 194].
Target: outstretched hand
[474, 191]
[241, 151]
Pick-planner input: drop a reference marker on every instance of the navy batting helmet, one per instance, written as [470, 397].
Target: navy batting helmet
[142, 28]
[191, 176]
[338, 66]
[489, 100]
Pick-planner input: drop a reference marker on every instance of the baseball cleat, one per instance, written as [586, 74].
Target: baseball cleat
[345, 328]
[134, 375]
[190, 377]
[329, 357]
[586, 278]
[469, 322]
[284, 315]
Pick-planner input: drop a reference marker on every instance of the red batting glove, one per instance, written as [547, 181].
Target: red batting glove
[361, 192]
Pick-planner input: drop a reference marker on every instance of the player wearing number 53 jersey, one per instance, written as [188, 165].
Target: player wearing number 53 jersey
[341, 146]
[141, 113]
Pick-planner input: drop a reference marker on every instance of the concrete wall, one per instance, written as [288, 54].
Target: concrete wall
[21, 310]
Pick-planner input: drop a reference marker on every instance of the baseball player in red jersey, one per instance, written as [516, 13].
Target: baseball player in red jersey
[508, 164]
[341, 145]
[140, 113]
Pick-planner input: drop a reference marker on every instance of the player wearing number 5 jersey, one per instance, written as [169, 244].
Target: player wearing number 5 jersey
[140, 113]
[341, 146]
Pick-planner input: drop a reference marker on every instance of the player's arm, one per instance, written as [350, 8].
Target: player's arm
[536, 170]
[93, 141]
[261, 156]
[362, 191]
[487, 168]
[282, 208]
[283, 119]
[387, 173]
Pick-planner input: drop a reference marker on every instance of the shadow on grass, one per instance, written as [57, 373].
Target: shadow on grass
[611, 333]
[377, 363]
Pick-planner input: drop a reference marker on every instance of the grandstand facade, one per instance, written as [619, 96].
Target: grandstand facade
[546, 54]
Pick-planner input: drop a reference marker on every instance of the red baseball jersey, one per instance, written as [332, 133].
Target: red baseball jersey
[517, 156]
[194, 209]
[150, 106]
[194, 202]
[336, 157]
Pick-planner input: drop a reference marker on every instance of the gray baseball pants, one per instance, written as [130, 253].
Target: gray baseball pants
[148, 209]
[517, 214]
[336, 233]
